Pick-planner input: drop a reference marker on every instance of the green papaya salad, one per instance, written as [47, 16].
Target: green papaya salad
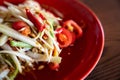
[30, 34]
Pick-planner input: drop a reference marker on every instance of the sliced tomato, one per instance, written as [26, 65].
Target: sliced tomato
[73, 37]
[64, 37]
[18, 25]
[53, 66]
[73, 27]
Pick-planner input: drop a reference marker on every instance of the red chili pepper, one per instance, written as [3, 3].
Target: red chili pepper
[73, 27]
[34, 20]
[43, 18]
[64, 37]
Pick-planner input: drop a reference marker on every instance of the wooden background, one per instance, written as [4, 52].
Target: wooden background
[108, 11]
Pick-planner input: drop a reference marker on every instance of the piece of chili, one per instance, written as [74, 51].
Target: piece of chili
[41, 15]
[35, 20]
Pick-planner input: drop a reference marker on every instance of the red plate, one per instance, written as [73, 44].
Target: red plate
[78, 60]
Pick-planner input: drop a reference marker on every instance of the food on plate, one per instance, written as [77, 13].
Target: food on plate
[30, 34]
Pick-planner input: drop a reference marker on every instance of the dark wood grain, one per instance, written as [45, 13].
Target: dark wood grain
[108, 11]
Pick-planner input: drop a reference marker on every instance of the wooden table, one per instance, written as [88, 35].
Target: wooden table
[108, 11]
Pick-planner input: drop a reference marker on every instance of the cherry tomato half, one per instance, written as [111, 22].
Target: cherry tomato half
[64, 37]
[18, 25]
[73, 27]
[53, 66]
